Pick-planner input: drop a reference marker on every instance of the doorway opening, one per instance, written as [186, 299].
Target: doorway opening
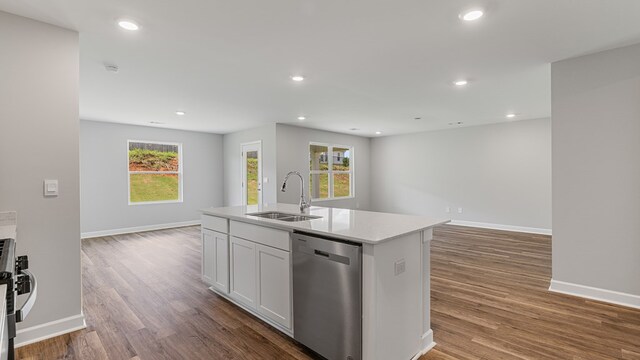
[251, 180]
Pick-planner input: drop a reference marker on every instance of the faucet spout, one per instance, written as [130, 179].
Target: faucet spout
[304, 204]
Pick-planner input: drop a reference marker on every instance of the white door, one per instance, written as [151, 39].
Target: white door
[208, 256]
[274, 293]
[252, 173]
[243, 271]
[221, 266]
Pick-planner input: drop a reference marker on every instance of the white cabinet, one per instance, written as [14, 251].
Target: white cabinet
[273, 275]
[215, 259]
[221, 267]
[208, 256]
[243, 284]
[251, 265]
[261, 235]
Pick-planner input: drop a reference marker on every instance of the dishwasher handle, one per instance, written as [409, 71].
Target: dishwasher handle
[325, 255]
[322, 253]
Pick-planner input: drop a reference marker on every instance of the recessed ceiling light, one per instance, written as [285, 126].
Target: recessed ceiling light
[471, 15]
[179, 112]
[511, 116]
[128, 25]
[460, 82]
[378, 132]
[297, 78]
[301, 118]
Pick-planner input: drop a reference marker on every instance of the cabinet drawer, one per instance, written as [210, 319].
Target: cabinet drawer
[262, 235]
[215, 223]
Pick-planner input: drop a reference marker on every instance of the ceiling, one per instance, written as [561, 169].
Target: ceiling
[374, 65]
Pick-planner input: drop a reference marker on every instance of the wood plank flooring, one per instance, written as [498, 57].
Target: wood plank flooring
[490, 301]
[143, 299]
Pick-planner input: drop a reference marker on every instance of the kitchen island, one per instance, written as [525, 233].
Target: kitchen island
[247, 258]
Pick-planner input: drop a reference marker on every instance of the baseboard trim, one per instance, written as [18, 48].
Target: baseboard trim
[427, 344]
[93, 234]
[48, 330]
[588, 292]
[522, 229]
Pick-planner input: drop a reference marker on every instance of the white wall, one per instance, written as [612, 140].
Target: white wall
[293, 154]
[233, 161]
[499, 174]
[39, 140]
[596, 171]
[103, 165]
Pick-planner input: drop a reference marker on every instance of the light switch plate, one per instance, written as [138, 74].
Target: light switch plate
[50, 188]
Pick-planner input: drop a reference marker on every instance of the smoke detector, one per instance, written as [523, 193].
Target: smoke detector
[111, 68]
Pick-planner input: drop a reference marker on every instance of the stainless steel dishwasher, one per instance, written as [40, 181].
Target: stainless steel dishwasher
[327, 296]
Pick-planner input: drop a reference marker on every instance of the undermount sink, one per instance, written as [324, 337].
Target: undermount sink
[284, 216]
[299, 218]
[271, 215]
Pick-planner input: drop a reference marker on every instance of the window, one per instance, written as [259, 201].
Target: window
[155, 172]
[330, 171]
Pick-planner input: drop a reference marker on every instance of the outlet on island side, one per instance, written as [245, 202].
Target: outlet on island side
[400, 267]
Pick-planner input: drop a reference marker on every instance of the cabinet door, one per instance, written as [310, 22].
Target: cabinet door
[274, 293]
[208, 256]
[221, 264]
[242, 255]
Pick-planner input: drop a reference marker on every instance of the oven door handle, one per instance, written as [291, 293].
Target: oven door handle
[23, 312]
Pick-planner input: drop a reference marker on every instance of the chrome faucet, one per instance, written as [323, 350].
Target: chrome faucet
[303, 203]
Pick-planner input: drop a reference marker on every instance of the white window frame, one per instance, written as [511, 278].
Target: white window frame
[330, 171]
[179, 173]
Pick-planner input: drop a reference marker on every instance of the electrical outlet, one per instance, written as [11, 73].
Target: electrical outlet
[400, 267]
[459, 210]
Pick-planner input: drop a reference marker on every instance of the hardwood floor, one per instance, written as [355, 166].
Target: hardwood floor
[490, 300]
[143, 299]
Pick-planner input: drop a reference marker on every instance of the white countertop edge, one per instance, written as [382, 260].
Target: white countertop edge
[286, 226]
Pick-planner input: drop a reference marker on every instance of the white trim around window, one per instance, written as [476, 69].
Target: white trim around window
[330, 172]
[179, 173]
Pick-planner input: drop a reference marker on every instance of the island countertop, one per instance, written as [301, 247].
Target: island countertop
[353, 225]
